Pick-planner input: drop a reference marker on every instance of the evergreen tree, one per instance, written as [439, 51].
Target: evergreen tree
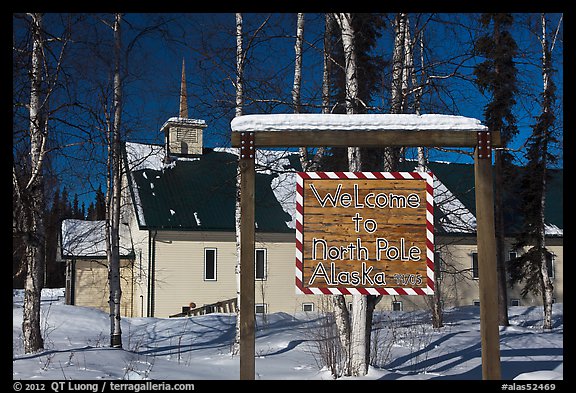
[76, 212]
[54, 274]
[532, 267]
[100, 205]
[497, 76]
[65, 206]
[56, 203]
[91, 213]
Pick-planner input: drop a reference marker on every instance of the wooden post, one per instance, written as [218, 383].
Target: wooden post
[488, 281]
[247, 283]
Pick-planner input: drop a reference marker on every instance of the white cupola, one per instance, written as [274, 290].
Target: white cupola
[183, 136]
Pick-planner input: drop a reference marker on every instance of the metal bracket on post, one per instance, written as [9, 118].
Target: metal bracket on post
[484, 145]
[247, 150]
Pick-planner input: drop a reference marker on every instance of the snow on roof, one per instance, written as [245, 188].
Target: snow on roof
[553, 230]
[184, 120]
[341, 122]
[144, 156]
[284, 185]
[88, 239]
[455, 217]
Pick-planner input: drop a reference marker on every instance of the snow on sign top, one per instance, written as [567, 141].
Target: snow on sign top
[341, 122]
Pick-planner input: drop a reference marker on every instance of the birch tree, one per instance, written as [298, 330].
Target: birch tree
[532, 267]
[39, 64]
[31, 196]
[311, 164]
[355, 337]
[114, 194]
[296, 87]
[238, 112]
[404, 69]
[399, 78]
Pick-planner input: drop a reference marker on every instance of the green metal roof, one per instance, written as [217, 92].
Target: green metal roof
[459, 179]
[200, 195]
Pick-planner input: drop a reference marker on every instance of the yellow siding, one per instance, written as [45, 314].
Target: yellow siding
[557, 250]
[179, 274]
[278, 290]
[180, 264]
[180, 271]
[458, 288]
[91, 286]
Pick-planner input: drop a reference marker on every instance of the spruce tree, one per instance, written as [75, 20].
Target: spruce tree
[531, 268]
[100, 205]
[91, 212]
[496, 75]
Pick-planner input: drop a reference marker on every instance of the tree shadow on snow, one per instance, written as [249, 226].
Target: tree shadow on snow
[451, 361]
[192, 338]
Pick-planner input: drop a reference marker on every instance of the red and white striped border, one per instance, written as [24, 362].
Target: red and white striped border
[427, 176]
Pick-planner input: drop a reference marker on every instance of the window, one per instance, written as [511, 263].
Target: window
[261, 308]
[209, 264]
[261, 264]
[140, 269]
[511, 256]
[515, 302]
[437, 265]
[476, 303]
[397, 305]
[475, 265]
[307, 306]
[550, 264]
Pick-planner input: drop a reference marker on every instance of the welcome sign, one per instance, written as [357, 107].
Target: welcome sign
[365, 233]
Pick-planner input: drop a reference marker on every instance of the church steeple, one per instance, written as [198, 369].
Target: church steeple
[182, 135]
[183, 95]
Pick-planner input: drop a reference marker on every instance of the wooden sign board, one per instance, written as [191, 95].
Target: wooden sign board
[365, 233]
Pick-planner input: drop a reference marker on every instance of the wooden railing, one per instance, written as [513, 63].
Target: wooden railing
[224, 306]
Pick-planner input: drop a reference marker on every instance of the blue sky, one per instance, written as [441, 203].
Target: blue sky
[207, 44]
[275, 58]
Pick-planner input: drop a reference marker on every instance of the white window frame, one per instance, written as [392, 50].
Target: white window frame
[310, 304]
[399, 303]
[215, 263]
[265, 264]
[511, 255]
[477, 275]
[438, 265]
[551, 270]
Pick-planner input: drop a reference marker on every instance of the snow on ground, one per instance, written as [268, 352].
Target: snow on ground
[198, 348]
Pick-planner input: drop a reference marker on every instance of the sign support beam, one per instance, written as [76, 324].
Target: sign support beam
[362, 138]
[486, 239]
[247, 250]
